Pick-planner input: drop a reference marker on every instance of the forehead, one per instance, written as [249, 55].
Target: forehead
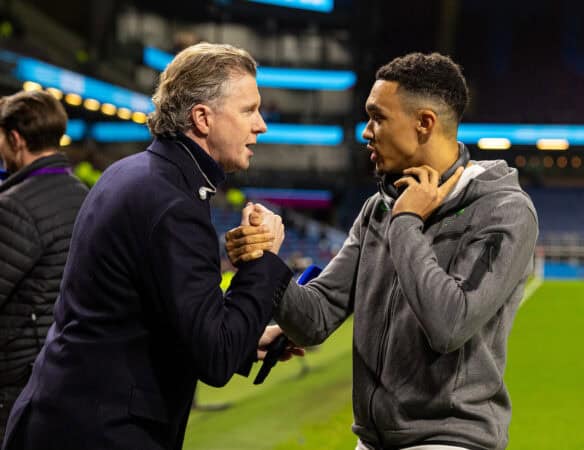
[241, 87]
[383, 95]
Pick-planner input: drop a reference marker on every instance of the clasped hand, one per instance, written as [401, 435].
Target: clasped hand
[260, 230]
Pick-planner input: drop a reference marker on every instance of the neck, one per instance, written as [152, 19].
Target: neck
[441, 154]
[200, 141]
[29, 158]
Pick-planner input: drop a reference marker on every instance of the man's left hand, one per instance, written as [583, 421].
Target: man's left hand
[423, 195]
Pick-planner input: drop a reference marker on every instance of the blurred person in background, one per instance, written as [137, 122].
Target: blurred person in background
[39, 201]
[433, 270]
[141, 316]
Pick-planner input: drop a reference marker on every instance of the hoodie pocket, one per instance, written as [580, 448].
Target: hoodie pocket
[421, 381]
[484, 264]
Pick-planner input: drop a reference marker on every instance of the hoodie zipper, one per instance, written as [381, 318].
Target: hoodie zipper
[383, 345]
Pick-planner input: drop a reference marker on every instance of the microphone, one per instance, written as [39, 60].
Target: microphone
[278, 345]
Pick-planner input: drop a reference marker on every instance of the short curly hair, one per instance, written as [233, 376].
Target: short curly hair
[433, 77]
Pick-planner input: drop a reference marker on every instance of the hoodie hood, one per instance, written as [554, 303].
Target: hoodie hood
[497, 176]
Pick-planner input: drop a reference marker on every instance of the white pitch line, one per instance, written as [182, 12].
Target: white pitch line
[530, 289]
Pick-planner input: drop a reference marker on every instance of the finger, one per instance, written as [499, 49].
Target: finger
[251, 248]
[261, 354]
[420, 172]
[405, 181]
[251, 256]
[271, 332]
[449, 184]
[245, 230]
[433, 175]
[298, 351]
[251, 239]
[289, 353]
[233, 258]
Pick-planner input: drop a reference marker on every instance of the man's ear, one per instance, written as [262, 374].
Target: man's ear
[201, 116]
[16, 140]
[426, 121]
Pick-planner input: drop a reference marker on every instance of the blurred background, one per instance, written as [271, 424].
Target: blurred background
[524, 61]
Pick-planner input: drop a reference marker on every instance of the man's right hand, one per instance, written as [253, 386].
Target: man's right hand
[260, 230]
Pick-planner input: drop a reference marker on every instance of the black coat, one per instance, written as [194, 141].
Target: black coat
[37, 212]
[141, 316]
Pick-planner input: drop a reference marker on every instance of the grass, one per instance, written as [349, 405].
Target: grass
[265, 416]
[545, 369]
[288, 412]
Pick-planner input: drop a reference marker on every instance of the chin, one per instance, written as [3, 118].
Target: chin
[238, 167]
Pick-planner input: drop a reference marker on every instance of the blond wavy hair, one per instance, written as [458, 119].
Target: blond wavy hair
[197, 75]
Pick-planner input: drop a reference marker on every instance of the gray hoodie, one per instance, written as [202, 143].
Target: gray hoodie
[433, 306]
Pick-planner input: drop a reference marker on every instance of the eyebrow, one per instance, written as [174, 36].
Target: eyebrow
[253, 104]
[372, 108]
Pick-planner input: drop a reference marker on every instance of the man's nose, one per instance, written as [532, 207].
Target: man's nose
[367, 134]
[260, 125]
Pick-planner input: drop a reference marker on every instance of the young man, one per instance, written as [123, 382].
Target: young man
[141, 316]
[433, 270]
[39, 201]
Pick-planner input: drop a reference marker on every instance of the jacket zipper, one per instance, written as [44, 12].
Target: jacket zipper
[383, 346]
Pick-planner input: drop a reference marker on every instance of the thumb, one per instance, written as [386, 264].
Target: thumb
[255, 219]
[246, 212]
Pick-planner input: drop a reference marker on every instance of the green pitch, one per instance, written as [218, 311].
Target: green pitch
[291, 411]
[545, 370]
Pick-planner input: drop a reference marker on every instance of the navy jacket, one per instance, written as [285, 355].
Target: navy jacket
[140, 315]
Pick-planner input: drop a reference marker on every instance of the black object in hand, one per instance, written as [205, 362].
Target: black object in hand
[278, 345]
[275, 351]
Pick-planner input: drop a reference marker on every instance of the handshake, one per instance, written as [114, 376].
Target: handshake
[260, 230]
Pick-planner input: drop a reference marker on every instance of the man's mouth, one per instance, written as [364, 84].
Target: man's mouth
[374, 155]
[250, 146]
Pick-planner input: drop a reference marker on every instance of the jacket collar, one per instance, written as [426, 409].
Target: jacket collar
[390, 193]
[177, 149]
[53, 161]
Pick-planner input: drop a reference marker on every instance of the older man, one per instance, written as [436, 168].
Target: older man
[141, 315]
[38, 204]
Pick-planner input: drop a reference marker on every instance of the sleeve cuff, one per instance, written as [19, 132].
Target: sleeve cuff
[282, 272]
[410, 214]
[245, 367]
